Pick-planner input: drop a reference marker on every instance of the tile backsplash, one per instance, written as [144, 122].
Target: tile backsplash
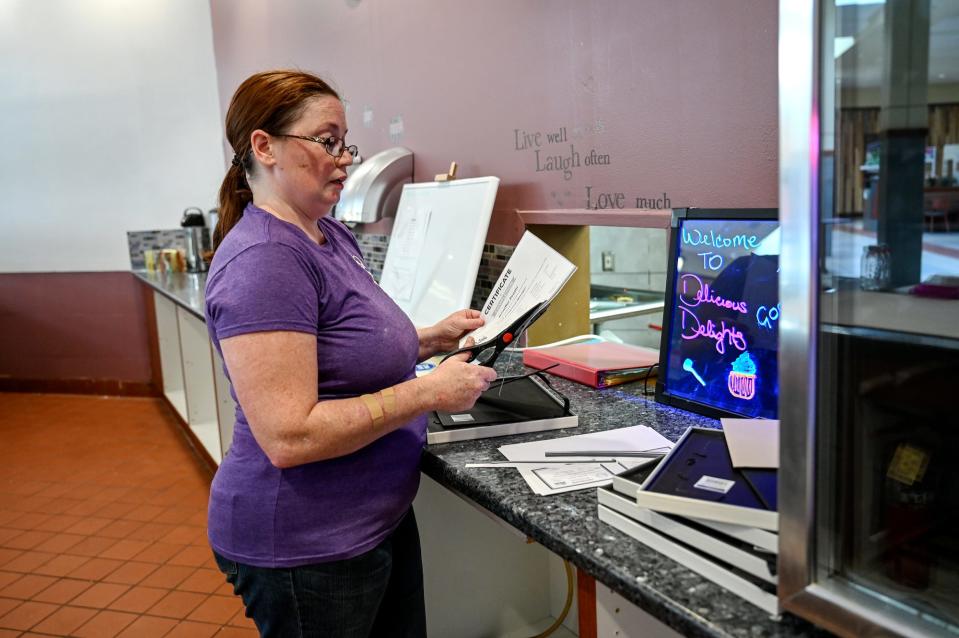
[141, 240]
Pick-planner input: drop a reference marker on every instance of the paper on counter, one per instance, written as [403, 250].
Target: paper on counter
[550, 478]
[534, 273]
[752, 442]
[407, 243]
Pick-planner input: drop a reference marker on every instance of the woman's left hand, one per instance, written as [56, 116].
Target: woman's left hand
[446, 334]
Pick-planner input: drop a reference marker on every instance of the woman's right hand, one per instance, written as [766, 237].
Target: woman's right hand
[455, 384]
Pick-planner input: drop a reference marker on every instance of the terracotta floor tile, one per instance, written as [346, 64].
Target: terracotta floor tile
[152, 532]
[27, 586]
[6, 604]
[84, 508]
[7, 555]
[56, 489]
[148, 627]
[119, 529]
[26, 615]
[238, 632]
[225, 588]
[110, 493]
[28, 521]
[58, 522]
[124, 549]
[26, 562]
[100, 595]
[192, 556]
[55, 506]
[64, 620]
[144, 513]
[96, 568]
[130, 573]
[203, 581]
[115, 510]
[240, 620]
[13, 633]
[62, 565]
[6, 533]
[190, 629]
[174, 516]
[184, 534]
[169, 576]
[7, 514]
[93, 546]
[139, 599]
[89, 525]
[60, 543]
[160, 552]
[63, 591]
[177, 604]
[99, 536]
[28, 540]
[217, 609]
[198, 519]
[85, 492]
[105, 624]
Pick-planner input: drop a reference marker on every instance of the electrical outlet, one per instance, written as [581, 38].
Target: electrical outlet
[608, 261]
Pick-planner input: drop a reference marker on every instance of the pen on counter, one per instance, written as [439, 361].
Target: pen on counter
[617, 453]
[512, 463]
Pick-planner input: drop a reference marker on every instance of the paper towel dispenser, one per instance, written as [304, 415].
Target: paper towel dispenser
[373, 188]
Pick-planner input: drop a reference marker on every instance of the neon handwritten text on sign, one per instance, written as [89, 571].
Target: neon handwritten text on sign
[693, 328]
[701, 293]
[712, 260]
[766, 316]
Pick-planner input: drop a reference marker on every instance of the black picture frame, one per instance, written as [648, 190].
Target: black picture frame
[663, 394]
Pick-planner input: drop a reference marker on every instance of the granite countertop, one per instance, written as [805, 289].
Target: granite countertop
[568, 524]
[183, 288]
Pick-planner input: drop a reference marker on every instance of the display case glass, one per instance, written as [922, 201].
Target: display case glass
[870, 330]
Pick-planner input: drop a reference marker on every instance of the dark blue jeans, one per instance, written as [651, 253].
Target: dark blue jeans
[379, 593]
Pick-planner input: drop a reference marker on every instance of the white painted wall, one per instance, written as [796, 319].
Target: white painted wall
[109, 121]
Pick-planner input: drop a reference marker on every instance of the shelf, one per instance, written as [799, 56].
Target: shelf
[177, 398]
[627, 217]
[895, 312]
[208, 433]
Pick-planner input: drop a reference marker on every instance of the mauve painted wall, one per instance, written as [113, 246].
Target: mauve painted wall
[63, 326]
[680, 94]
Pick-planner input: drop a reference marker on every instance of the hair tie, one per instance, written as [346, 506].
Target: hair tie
[236, 160]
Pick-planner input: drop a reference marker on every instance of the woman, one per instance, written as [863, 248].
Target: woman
[310, 512]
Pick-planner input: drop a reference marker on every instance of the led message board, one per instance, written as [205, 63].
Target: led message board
[720, 337]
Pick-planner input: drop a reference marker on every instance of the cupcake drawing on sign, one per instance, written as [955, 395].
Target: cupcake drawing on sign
[742, 378]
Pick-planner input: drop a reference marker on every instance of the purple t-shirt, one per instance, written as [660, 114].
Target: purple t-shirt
[268, 275]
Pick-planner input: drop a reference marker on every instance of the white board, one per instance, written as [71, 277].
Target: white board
[436, 246]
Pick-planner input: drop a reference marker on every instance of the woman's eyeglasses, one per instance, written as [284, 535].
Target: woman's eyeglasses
[335, 146]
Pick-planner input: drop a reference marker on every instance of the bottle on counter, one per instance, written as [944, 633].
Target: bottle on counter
[874, 267]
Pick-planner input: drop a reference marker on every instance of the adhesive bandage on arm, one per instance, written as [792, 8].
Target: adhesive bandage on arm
[376, 412]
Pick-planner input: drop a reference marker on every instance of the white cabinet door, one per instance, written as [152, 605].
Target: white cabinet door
[225, 406]
[168, 336]
[198, 377]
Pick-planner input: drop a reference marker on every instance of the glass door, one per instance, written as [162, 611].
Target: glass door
[870, 204]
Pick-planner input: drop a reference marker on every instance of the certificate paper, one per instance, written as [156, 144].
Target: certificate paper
[534, 274]
[559, 477]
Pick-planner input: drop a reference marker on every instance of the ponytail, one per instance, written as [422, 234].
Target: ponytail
[235, 193]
